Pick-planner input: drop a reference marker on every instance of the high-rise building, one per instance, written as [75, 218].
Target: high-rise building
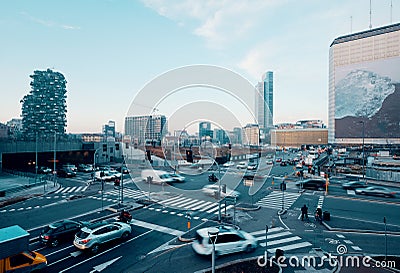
[44, 108]
[236, 135]
[251, 135]
[364, 87]
[205, 132]
[220, 136]
[264, 103]
[146, 129]
[109, 129]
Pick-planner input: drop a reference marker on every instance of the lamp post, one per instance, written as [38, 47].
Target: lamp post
[213, 235]
[363, 151]
[54, 158]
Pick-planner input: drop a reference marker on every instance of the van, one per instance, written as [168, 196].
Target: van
[157, 176]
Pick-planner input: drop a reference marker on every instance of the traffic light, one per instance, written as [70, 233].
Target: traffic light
[189, 156]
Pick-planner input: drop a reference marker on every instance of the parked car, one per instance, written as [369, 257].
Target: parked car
[312, 184]
[376, 191]
[85, 168]
[70, 166]
[352, 185]
[44, 170]
[270, 162]
[60, 231]
[229, 240]
[66, 172]
[242, 165]
[212, 190]
[93, 236]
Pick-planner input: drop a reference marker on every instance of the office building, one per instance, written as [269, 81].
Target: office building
[205, 132]
[109, 129]
[251, 135]
[146, 129]
[44, 108]
[364, 87]
[296, 137]
[264, 103]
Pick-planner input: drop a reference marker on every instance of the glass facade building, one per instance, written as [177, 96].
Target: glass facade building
[264, 103]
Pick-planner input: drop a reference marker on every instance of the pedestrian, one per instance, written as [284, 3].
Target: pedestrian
[304, 212]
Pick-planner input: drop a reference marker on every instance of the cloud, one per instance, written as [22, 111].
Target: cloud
[219, 23]
[48, 23]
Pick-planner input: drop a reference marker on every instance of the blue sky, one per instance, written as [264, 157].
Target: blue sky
[108, 50]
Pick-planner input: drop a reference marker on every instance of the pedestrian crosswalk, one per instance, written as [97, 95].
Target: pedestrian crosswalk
[274, 200]
[279, 238]
[66, 190]
[128, 193]
[177, 202]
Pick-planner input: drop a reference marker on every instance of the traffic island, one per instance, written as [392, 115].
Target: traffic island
[247, 207]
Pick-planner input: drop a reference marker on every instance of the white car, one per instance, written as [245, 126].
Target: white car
[228, 164]
[106, 176]
[212, 190]
[242, 165]
[177, 177]
[228, 240]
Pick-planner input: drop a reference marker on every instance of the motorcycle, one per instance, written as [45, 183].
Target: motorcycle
[212, 178]
[125, 217]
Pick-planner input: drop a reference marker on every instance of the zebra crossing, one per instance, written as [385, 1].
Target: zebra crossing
[274, 200]
[279, 238]
[177, 202]
[65, 190]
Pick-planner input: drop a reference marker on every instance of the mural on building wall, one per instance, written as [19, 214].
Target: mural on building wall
[368, 92]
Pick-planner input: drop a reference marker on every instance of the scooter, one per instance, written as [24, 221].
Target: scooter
[125, 217]
[212, 178]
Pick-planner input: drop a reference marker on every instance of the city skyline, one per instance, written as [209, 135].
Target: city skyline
[109, 50]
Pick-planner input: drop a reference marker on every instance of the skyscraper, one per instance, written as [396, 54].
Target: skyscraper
[44, 108]
[205, 131]
[364, 87]
[264, 103]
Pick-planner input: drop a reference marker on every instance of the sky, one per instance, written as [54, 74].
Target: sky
[109, 50]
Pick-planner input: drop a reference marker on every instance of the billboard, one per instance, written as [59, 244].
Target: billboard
[368, 93]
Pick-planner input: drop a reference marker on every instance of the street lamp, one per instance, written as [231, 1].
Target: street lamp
[213, 235]
[363, 151]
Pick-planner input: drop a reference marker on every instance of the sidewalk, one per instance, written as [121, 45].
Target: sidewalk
[13, 187]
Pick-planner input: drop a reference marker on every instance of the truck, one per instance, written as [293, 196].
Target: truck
[14, 251]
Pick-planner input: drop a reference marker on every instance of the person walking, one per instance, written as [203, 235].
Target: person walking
[304, 212]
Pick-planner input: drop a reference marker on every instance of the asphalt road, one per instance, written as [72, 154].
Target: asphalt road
[153, 245]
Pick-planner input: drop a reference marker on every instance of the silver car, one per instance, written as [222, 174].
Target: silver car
[91, 237]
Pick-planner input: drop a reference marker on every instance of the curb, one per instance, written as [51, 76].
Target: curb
[185, 240]
[248, 209]
[366, 231]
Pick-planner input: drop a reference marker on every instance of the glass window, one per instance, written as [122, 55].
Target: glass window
[19, 259]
